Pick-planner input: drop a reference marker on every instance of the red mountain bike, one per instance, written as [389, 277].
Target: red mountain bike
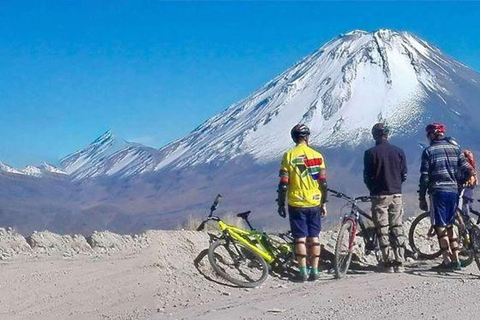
[353, 225]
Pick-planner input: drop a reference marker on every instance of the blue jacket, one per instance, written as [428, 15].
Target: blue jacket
[445, 166]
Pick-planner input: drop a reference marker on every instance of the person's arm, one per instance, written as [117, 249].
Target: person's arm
[424, 181]
[283, 187]
[322, 182]
[322, 185]
[368, 169]
[403, 164]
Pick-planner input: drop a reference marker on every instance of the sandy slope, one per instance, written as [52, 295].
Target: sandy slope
[170, 280]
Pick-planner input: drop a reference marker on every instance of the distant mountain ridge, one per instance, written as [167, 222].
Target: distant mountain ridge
[339, 91]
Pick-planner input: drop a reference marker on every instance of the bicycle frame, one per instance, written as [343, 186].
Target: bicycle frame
[260, 242]
[242, 236]
[355, 215]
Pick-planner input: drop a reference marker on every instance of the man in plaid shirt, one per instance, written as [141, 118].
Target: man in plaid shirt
[444, 168]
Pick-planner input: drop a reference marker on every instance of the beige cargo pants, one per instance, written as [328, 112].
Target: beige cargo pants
[387, 212]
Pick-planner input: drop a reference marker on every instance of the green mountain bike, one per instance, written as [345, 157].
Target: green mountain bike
[245, 257]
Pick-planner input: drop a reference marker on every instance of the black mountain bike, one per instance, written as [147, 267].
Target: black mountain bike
[423, 239]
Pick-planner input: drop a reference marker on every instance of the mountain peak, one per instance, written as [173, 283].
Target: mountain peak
[105, 137]
[104, 146]
[385, 33]
[9, 169]
[339, 91]
[32, 171]
[356, 32]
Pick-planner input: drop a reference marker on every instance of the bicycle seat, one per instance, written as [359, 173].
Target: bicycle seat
[243, 215]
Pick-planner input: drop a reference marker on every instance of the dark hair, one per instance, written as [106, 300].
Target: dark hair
[380, 130]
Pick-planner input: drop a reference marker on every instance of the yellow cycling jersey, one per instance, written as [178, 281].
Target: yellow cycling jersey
[301, 169]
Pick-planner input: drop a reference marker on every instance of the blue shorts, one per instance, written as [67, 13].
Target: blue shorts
[443, 206]
[305, 222]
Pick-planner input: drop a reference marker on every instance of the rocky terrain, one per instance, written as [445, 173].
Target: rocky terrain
[165, 275]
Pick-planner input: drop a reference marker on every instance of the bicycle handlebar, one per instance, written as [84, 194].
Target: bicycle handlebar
[215, 204]
[340, 195]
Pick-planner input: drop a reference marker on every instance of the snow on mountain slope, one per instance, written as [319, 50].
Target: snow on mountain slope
[103, 146]
[8, 169]
[340, 91]
[33, 171]
[46, 167]
[108, 155]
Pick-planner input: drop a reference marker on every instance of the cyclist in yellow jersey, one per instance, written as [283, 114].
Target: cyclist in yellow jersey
[303, 182]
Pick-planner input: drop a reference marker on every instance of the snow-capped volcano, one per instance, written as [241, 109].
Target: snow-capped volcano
[340, 91]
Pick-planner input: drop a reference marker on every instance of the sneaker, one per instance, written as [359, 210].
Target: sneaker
[314, 276]
[457, 266]
[389, 269]
[299, 277]
[399, 269]
[386, 268]
[444, 266]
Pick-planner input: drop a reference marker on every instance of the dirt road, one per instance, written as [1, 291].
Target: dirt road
[169, 280]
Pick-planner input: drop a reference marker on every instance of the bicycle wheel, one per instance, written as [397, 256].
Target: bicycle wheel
[475, 238]
[425, 246]
[343, 248]
[237, 263]
[466, 255]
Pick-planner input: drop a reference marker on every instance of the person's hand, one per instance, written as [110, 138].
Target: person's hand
[282, 212]
[323, 211]
[423, 204]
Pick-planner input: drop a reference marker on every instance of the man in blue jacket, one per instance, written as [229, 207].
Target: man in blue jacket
[444, 169]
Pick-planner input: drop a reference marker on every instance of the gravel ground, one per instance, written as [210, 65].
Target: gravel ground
[164, 275]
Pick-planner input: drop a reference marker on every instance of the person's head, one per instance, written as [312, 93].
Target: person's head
[380, 131]
[435, 131]
[300, 133]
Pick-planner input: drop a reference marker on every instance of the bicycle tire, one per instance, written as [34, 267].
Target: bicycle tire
[414, 235]
[343, 252]
[225, 258]
[475, 238]
[432, 249]
[466, 256]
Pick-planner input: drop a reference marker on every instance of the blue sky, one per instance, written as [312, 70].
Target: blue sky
[152, 71]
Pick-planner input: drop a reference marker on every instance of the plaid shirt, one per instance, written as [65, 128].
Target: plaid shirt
[445, 165]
